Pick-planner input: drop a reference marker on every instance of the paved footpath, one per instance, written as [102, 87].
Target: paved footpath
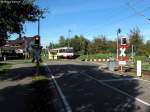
[15, 89]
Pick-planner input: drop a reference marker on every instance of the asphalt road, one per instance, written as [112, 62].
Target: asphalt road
[84, 88]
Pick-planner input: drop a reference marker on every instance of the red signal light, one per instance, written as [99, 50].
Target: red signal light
[123, 41]
[37, 40]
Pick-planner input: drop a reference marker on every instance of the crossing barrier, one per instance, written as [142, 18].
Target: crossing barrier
[98, 60]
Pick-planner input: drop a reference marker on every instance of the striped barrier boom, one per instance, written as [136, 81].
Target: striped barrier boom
[98, 60]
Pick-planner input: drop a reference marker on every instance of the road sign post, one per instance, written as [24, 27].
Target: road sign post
[37, 56]
[37, 52]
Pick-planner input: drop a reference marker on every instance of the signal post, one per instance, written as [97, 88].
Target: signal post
[122, 58]
[37, 48]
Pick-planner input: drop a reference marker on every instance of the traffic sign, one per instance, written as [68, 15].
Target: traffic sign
[122, 62]
[122, 56]
[123, 40]
[37, 40]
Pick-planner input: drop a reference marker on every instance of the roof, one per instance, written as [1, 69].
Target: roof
[20, 42]
[63, 48]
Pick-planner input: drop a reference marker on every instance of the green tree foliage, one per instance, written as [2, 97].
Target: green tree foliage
[95, 46]
[111, 47]
[136, 39]
[62, 41]
[14, 14]
[102, 45]
[148, 46]
[82, 45]
[75, 43]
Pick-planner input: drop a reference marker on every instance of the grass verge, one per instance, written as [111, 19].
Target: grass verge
[4, 67]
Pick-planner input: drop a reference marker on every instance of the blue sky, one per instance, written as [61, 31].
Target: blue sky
[90, 18]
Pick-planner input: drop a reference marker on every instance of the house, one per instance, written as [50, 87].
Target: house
[22, 47]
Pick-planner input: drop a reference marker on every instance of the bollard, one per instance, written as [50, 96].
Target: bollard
[111, 65]
[5, 58]
[139, 68]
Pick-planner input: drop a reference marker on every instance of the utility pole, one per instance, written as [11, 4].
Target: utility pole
[132, 53]
[118, 32]
[39, 26]
[69, 33]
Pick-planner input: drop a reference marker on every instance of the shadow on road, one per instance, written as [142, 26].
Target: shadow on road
[82, 93]
[18, 73]
[18, 94]
[86, 95]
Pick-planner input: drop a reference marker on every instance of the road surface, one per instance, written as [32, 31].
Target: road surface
[82, 87]
[72, 86]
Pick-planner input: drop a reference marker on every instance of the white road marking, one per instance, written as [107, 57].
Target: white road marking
[118, 90]
[144, 80]
[66, 104]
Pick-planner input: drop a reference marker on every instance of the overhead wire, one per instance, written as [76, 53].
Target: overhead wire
[125, 18]
[137, 12]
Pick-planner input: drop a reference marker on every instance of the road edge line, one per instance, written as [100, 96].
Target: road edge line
[66, 104]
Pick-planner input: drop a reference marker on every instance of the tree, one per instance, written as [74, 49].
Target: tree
[111, 47]
[99, 45]
[136, 39]
[83, 44]
[97, 42]
[62, 41]
[104, 45]
[75, 43]
[148, 46]
[14, 14]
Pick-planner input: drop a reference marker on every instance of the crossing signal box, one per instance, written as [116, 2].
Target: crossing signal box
[123, 41]
[37, 40]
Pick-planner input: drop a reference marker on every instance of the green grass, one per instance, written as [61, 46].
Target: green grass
[4, 67]
[39, 77]
[42, 75]
[146, 66]
[21, 61]
[44, 58]
[142, 58]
